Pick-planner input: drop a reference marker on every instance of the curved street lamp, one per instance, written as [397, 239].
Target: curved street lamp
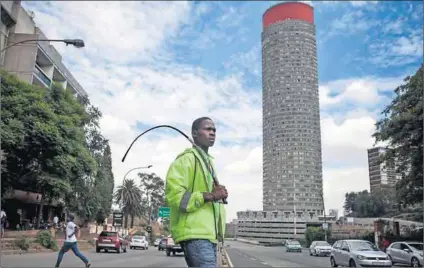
[78, 43]
[149, 166]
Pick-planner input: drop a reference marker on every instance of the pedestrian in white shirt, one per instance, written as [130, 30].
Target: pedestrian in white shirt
[55, 221]
[71, 243]
[3, 221]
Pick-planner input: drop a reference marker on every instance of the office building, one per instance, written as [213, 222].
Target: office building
[36, 63]
[382, 174]
[334, 213]
[292, 165]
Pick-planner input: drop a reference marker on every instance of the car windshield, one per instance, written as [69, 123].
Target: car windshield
[416, 246]
[322, 243]
[108, 234]
[294, 243]
[362, 246]
[138, 237]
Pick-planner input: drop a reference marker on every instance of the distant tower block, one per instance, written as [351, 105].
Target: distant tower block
[292, 164]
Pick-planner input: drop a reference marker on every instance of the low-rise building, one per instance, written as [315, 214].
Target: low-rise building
[274, 227]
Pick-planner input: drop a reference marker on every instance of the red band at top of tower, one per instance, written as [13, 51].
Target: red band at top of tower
[288, 10]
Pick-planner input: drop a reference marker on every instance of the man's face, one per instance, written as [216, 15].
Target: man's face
[205, 135]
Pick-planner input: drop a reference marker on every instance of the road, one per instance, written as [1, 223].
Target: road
[133, 258]
[247, 255]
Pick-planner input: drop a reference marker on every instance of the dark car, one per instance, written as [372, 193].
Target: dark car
[108, 240]
[170, 246]
[162, 244]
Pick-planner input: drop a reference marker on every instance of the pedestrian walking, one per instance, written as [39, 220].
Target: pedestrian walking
[71, 243]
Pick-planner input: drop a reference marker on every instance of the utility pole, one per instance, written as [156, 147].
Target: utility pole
[294, 208]
[325, 217]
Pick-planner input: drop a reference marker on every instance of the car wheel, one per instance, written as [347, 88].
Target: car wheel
[390, 257]
[415, 262]
[352, 263]
[97, 250]
[333, 262]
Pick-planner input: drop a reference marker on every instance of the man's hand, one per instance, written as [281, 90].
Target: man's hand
[220, 192]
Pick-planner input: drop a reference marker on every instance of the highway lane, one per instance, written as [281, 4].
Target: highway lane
[133, 258]
[246, 255]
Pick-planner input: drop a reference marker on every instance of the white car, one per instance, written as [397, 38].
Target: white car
[138, 241]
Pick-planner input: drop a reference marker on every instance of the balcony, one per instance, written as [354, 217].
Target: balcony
[42, 78]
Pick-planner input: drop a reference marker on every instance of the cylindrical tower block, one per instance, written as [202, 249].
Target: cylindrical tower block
[292, 164]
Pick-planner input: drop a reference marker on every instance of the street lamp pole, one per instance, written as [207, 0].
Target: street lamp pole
[149, 166]
[75, 42]
[325, 217]
[294, 207]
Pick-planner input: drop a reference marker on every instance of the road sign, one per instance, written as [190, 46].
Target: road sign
[164, 212]
[117, 219]
[325, 226]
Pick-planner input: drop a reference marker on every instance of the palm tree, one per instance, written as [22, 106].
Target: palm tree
[128, 197]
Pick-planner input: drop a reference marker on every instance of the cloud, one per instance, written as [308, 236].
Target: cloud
[362, 92]
[132, 70]
[351, 23]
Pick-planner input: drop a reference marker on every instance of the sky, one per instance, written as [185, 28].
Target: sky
[149, 63]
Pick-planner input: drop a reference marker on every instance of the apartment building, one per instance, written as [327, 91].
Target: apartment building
[36, 63]
[381, 173]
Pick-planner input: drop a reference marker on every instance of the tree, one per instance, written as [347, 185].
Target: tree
[363, 204]
[128, 196]
[43, 138]
[315, 234]
[153, 189]
[402, 128]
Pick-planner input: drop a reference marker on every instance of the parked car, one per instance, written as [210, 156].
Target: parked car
[410, 253]
[139, 241]
[354, 253]
[320, 248]
[170, 246]
[108, 240]
[162, 244]
[293, 245]
[156, 243]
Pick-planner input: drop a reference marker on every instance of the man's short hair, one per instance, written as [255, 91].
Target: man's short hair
[197, 122]
[71, 217]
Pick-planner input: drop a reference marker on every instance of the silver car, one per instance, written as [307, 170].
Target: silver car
[358, 253]
[320, 248]
[410, 253]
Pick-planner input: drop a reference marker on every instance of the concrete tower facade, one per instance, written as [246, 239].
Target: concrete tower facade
[292, 164]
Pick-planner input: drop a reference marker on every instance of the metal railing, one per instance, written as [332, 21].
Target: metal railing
[43, 77]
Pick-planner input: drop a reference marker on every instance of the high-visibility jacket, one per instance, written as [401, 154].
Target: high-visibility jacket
[190, 217]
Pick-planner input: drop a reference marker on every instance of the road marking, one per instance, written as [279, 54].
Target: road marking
[253, 259]
[264, 263]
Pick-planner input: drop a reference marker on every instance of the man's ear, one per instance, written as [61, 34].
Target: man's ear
[194, 133]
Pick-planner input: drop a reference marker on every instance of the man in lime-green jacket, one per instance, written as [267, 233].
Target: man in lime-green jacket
[197, 219]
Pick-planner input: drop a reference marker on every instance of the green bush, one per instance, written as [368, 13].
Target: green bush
[22, 243]
[315, 234]
[45, 239]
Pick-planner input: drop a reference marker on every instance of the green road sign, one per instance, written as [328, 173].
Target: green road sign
[163, 212]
